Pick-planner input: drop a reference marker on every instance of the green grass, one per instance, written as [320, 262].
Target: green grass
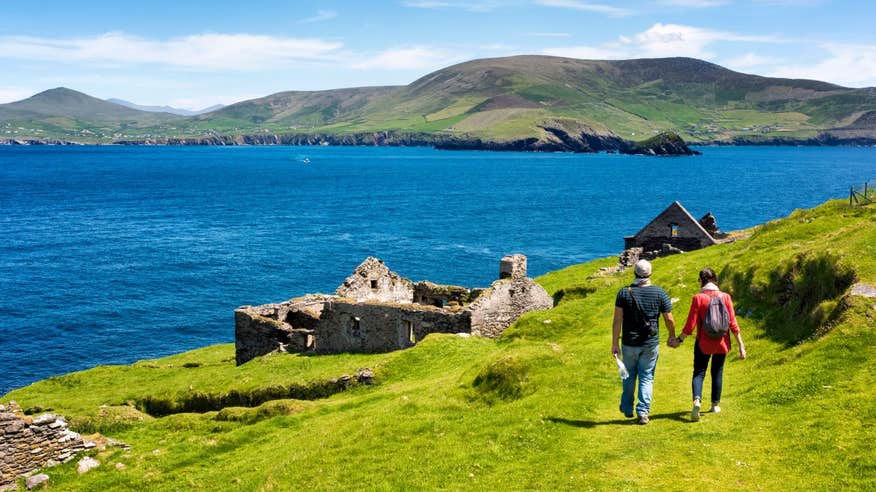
[537, 408]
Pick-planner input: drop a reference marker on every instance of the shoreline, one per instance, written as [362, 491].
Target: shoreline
[582, 145]
[667, 144]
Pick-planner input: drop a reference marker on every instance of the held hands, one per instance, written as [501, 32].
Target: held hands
[673, 342]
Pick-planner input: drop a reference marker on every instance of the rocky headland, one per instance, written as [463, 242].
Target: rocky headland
[556, 139]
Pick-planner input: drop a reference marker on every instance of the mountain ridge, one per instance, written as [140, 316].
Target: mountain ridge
[501, 100]
[165, 109]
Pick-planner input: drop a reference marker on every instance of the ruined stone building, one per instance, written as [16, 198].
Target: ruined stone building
[377, 310]
[673, 231]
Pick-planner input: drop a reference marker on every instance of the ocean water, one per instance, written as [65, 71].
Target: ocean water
[109, 255]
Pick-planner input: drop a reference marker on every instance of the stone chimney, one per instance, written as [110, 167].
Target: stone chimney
[513, 267]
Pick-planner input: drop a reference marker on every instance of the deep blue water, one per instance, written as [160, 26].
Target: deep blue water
[113, 254]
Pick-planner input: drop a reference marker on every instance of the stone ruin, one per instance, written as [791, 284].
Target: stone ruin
[377, 310]
[27, 444]
[673, 231]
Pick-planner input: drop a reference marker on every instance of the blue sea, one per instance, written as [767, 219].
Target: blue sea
[114, 254]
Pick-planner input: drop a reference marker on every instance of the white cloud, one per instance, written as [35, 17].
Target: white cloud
[414, 58]
[197, 51]
[660, 40]
[678, 40]
[320, 16]
[472, 6]
[587, 7]
[851, 65]
[12, 94]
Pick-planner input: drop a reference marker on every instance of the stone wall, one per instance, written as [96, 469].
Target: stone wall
[28, 444]
[377, 310]
[505, 301]
[366, 327]
[373, 281]
[512, 266]
[283, 327]
[432, 294]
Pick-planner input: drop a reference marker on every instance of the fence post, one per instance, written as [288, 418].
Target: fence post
[851, 195]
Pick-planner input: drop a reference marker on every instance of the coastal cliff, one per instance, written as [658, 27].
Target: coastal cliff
[558, 140]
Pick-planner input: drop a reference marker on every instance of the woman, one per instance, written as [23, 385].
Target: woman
[705, 347]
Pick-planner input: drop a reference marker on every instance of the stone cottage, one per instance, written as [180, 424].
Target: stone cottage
[673, 231]
[377, 310]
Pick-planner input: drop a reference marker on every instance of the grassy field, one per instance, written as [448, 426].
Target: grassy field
[537, 408]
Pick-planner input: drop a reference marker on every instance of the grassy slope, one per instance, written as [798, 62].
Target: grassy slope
[538, 407]
[505, 98]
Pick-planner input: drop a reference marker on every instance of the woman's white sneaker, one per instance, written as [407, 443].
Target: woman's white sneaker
[695, 411]
[715, 409]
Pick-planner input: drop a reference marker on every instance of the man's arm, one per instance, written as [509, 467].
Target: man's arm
[616, 325]
[670, 326]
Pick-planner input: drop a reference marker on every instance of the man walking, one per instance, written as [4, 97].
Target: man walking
[637, 309]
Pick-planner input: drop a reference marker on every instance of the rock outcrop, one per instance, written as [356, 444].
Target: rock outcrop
[663, 144]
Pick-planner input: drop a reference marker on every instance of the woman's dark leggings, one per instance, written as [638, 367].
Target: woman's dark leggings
[701, 362]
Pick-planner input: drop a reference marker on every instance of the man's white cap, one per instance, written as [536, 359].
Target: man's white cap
[643, 269]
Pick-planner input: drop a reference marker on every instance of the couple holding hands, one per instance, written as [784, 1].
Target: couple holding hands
[638, 308]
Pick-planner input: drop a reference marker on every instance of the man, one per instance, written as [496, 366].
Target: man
[637, 309]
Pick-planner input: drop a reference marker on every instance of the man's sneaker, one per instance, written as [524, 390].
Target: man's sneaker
[715, 409]
[643, 419]
[695, 411]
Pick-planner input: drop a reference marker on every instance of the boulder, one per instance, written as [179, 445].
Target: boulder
[41, 480]
[86, 464]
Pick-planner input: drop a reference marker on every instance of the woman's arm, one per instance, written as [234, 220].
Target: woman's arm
[691, 321]
[742, 353]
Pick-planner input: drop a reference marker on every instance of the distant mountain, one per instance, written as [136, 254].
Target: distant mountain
[67, 103]
[519, 102]
[517, 97]
[165, 109]
[69, 115]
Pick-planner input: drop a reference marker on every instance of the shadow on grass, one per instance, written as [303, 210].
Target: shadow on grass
[589, 424]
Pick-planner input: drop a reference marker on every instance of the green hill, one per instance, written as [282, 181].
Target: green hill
[65, 113]
[535, 409]
[500, 100]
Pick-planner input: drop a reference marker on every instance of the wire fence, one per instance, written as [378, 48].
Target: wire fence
[863, 194]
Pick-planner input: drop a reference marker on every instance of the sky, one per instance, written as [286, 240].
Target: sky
[194, 54]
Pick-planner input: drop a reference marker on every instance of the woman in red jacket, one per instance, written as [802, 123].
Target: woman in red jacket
[705, 347]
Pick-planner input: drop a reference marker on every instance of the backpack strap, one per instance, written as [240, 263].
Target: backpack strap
[640, 313]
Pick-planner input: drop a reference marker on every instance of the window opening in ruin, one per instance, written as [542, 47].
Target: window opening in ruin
[373, 285]
[355, 327]
[674, 230]
[412, 337]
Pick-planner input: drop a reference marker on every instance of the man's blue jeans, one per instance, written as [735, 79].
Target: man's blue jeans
[640, 363]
